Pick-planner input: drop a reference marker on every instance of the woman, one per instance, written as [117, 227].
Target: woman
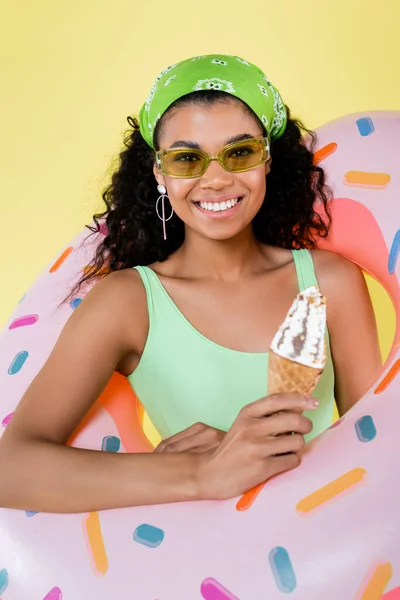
[213, 206]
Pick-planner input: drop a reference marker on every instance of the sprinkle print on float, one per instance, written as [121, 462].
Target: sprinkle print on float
[18, 362]
[95, 543]
[333, 490]
[388, 378]
[75, 302]
[328, 499]
[23, 321]
[365, 428]
[394, 252]
[213, 590]
[4, 580]
[54, 594]
[367, 179]
[365, 126]
[148, 535]
[6, 420]
[375, 581]
[61, 259]
[110, 443]
[282, 570]
[324, 152]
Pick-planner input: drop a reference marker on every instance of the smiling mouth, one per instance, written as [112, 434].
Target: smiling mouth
[219, 206]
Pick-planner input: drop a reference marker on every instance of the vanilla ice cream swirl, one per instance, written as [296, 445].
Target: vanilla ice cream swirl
[301, 337]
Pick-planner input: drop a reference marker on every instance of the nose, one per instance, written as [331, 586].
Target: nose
[216, 177]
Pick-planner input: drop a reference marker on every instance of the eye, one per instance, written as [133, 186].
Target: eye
[186, 157]
[241, 152]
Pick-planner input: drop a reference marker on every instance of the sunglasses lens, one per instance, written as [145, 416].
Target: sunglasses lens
[183, 163]
[188, 163]
[245, 155]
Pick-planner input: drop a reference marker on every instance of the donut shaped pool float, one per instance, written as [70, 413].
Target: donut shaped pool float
[329, 529]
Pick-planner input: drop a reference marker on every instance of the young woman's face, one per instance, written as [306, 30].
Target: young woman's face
[212, 128]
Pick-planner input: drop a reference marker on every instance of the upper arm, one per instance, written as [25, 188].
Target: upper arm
[352, 327]
[94, 341]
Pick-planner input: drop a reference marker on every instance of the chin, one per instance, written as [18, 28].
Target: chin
[223, 234]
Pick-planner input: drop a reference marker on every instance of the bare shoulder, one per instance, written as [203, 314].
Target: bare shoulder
[339, 278]
[117, 302]
[333, 269]
[119, 287]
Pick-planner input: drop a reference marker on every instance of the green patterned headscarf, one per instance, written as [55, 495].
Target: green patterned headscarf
[218, 72]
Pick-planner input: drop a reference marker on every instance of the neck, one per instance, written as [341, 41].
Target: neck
[223, 260]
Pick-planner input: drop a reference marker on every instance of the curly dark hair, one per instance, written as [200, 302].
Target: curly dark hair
[287, 217]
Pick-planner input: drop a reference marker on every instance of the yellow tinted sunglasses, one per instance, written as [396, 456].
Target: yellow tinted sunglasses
[187, 163]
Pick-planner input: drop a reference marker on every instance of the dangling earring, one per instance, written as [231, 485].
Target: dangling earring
[163, 192]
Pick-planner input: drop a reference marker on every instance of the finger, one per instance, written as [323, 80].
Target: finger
[280, 464]
[286, 444]
[281, 423]
[279, 402]
[189, 431]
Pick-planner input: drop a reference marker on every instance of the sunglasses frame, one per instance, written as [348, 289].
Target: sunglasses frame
[263, 141]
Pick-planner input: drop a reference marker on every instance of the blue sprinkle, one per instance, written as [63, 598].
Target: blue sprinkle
[75, 302]
[111, 443]
[394, 253]
[148, 535]
[282, 569]
[22, 299]
[365, 428]
[365, 126]
[18, 362]
[30, 513]
[3, 580]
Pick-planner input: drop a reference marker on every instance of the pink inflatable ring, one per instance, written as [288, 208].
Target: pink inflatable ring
[329, 529]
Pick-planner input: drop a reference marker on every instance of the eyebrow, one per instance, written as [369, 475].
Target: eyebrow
[196, 146]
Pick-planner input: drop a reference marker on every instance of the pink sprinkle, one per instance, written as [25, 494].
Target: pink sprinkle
[23, 321]
[6, 420]
[212, 590]
[54, 594]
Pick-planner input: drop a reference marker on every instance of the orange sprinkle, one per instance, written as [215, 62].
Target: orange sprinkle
[367, 179]
[248, 498]
[324, 152]
[95, 543]
[331, 491]
[375, 582]
[61, 259]
[390, 375]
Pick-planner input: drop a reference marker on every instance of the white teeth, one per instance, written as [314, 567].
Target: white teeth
[216, 207]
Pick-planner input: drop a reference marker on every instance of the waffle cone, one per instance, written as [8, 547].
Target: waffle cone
[286, 376]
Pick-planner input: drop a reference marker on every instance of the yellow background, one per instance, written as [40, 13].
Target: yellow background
[73, 70]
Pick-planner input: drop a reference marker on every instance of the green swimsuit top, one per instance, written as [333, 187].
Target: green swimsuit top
[183, 377]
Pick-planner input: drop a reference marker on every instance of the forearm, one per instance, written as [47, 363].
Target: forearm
[46, 477]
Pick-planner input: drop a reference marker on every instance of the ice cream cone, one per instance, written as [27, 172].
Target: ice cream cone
[286, 376]
[298, 351]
